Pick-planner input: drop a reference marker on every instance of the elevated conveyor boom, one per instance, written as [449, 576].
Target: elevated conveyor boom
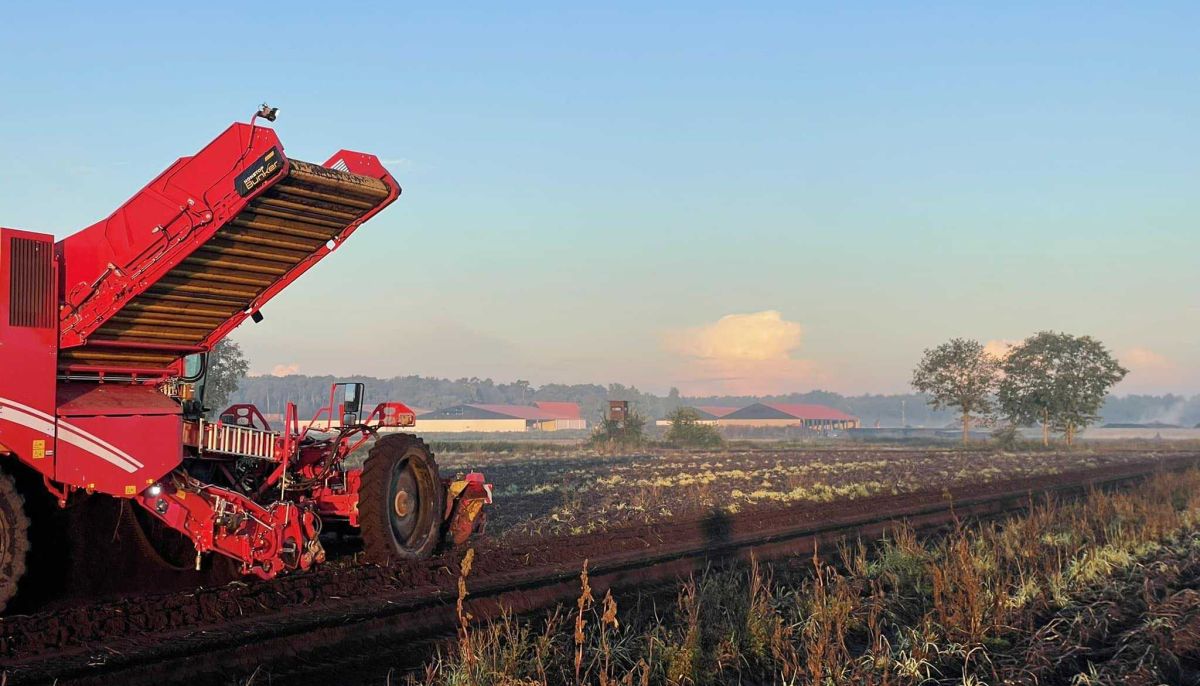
[203, 246]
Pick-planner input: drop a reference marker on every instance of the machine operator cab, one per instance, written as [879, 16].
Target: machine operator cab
[191, 385]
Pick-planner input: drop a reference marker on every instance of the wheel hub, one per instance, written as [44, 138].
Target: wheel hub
[401, 504]
[402, 501]
[406, 504]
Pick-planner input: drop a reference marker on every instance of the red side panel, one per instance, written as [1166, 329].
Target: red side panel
[87, 399]
[115, 438]
[28, 347]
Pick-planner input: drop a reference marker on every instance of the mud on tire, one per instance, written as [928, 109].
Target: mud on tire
[14, 538]
[400, 500]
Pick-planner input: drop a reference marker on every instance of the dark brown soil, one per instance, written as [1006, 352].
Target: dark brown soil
[572, 493]
[88, 643]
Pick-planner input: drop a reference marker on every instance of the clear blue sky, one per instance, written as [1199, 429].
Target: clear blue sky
[588, 192]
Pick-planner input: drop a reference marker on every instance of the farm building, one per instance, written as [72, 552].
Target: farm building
[542, 416]
[709, 414]
[817, 417]
[566, 415]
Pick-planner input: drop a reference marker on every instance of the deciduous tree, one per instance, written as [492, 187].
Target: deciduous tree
[958, 374]
[686, 429]
[1058, 381]
[227, 366]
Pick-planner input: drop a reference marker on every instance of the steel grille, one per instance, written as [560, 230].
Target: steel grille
[30, 283]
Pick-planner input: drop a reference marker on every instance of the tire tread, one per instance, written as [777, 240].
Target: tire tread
[373, 502]
[12, 514]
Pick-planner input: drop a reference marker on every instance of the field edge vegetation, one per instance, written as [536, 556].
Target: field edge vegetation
[1094, 591]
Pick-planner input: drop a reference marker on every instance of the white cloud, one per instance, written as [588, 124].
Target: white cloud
[1145, 359]
[757, 336]
[285, 369]
[751, 353]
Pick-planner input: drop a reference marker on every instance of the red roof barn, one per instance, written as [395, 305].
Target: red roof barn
[818, 417]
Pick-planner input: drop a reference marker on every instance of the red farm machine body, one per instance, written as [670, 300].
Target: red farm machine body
[103, 342]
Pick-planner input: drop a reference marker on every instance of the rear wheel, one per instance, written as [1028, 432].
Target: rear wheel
[400, 500]
[14, 538]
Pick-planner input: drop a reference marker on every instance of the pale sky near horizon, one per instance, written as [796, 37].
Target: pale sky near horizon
[745, 198]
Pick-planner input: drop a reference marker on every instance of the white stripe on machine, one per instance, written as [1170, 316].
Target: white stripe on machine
[39, 421]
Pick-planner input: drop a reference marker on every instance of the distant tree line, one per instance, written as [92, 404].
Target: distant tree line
[1172, 409]
[904, 409]
[270, 393]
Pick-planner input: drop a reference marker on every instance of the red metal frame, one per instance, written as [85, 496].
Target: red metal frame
[254, 418]
[100, 413]
[392, 414]
[267, 540]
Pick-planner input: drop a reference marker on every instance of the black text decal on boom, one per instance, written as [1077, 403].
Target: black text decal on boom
[270, 164]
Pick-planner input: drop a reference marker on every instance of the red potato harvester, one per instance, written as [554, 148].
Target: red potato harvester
[104, 338]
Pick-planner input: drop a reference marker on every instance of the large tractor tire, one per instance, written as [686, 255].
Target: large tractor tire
[401, 500]
[14, 538]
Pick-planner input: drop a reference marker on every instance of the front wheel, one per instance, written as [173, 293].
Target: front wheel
[401, 500]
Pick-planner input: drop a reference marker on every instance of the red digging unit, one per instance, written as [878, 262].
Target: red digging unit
[104, 342]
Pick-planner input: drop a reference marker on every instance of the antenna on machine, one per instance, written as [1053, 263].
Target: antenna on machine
[266, 112]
